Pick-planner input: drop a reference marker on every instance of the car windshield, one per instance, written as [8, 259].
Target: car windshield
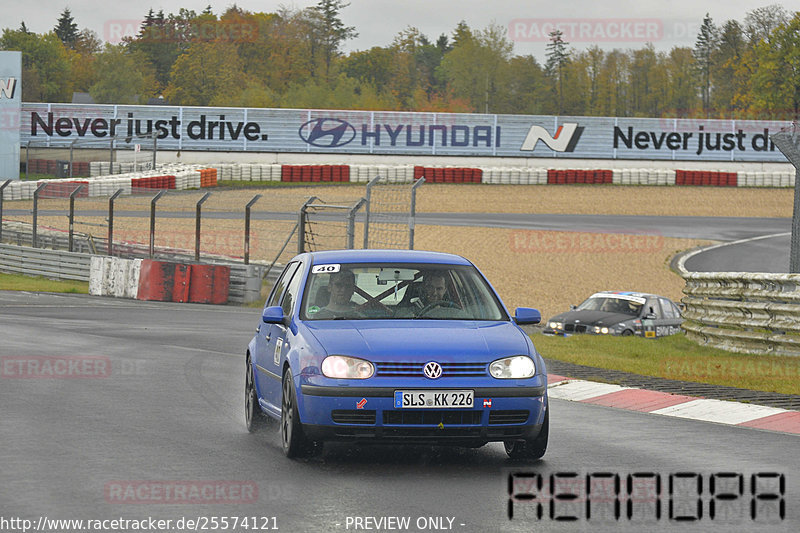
[612, 304]
[399, 291]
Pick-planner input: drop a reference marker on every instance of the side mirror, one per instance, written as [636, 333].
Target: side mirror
[526, 315]
[273, 315]
[650, 316]
[573, 307]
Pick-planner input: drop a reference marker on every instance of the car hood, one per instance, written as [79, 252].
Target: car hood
[592, 318]
[404, 340]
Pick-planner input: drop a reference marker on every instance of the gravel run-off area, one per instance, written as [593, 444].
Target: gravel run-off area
[545, 269]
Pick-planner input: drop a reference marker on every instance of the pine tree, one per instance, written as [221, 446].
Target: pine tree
[334, 30]
[704, 49]
[66, 29]
[557, 58]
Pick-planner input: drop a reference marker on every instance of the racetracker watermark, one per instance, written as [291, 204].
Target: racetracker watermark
[117, 31]
[55, 367]
[578, 30]
[181, 492]
[534, 241]
[761, 369]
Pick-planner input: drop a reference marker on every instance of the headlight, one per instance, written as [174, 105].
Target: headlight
[602, 331]
[556, 325]
[517, 367]
[341, 367]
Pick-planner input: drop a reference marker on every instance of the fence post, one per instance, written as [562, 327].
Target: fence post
[413, 214]
[788, 142]
[111, 221]
[301, 225]
[3, 186]
[155, 199]
[197, 227]
[34, 231]
[366, 213]
[351, 223]
[72, 213]
[247, 228]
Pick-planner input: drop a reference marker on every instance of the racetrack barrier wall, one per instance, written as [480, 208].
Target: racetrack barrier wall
[53, 264]
[183, 177]
[114, 276]
[743, 312]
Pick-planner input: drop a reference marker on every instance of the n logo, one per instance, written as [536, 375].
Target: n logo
[7, 88]
[565, 139]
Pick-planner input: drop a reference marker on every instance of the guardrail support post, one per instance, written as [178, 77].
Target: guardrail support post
[3, 186]
[111, 221]
[247, 228]
[197, 225]
[413, 213]
[351, 223]
[34, 231]
[301, 225]
[371, 183]
[72, 213]
[153, 221]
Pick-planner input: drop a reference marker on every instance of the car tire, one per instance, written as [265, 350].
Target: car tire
[626, 333]
[295, 443]
[254, 417]
[532, 449]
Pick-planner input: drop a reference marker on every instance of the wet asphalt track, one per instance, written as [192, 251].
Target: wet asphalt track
[170, 409]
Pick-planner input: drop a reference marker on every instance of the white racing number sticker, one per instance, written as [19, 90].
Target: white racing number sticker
[324, 269]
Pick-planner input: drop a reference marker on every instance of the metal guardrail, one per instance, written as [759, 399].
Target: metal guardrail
[245, 280]
[743, 312]
[42, 262]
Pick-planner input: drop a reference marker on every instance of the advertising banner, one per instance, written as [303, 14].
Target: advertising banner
[398, 133]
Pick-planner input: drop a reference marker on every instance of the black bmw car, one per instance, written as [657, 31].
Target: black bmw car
[619, 313]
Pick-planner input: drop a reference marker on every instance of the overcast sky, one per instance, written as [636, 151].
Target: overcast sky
[611, 24]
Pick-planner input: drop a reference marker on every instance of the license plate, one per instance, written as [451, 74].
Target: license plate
[433, 399]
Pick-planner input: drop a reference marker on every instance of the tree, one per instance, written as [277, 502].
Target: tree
[682, 86]
[725, 61]
[123, 77]
[334, 32]
[204, 74]
[760, 22]
[557, 58]
[704, 48]
[66, 29]
[472, 69]
[45, 65]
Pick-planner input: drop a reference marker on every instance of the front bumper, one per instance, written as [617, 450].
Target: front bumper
[368, 414]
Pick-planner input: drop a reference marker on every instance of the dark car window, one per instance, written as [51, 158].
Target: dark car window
[280, 285]
[667, 308]
[612, 304]
[399, 291]
[291, 292]
[654, 307]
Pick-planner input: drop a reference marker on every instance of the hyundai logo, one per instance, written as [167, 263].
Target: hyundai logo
[433, 370]
[327, 132]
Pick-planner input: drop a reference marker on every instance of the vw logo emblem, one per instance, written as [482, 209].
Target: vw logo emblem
[327, 132]
[433, 370]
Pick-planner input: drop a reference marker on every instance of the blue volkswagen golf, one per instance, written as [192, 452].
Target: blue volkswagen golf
[394, 346]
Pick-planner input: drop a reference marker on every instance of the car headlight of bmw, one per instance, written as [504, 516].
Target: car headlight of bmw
[343, 367]
[516, 367]
[601, 330]
[556, 325]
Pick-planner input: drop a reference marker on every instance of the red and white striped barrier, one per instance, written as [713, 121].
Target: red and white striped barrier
[662, 403]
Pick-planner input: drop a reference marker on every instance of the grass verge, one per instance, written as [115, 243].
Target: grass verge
[21, 282]
[676, 357]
